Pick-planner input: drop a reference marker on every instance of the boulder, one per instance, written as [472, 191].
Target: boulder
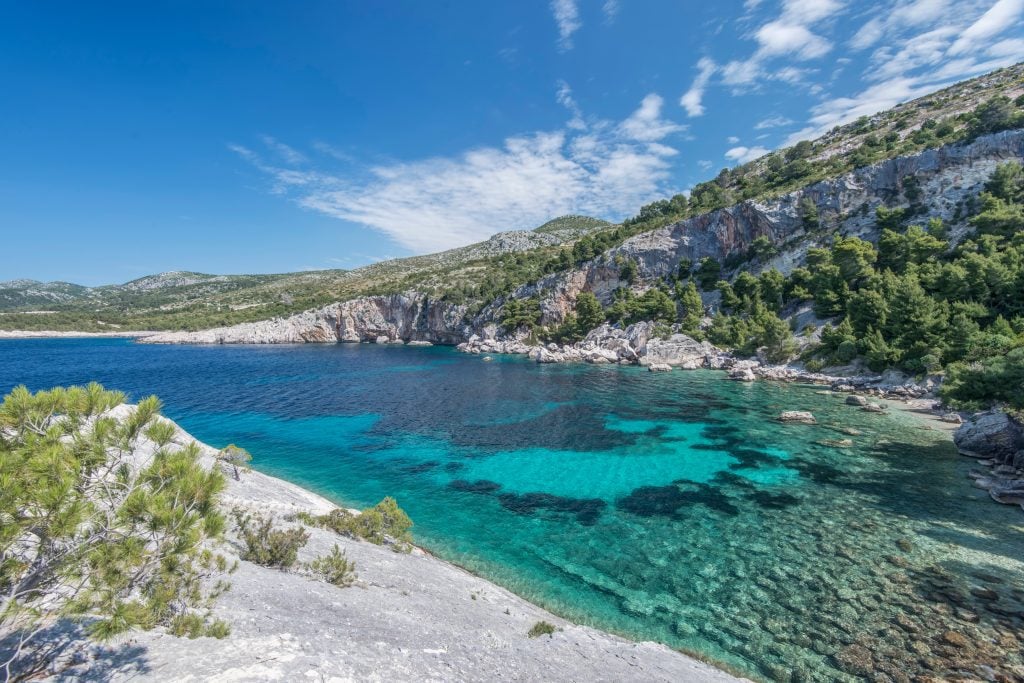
[659, 367]
[855, 400]
[677, 350]
[426, 343]
[872, 408]
[952, 418]
[638, 334]
[382, 339]
[798, 416]
[742, 375]
[991, 434]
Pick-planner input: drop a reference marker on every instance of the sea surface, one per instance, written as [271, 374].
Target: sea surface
[662, 506]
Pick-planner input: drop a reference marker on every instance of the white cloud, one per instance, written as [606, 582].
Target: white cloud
[790, 35]
[745, 154]
[692, 99]
[732, 139]
[565, 98]
[611, 10]
[779, 38]
[607, 170]
[567, 16]
[646, 124]
[1001, 16]
[773, 122]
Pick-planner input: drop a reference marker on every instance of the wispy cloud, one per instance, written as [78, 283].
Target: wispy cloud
[602, 168]
[693, 99]
[288, 154]
[567, 17]
[997, 19]
[611, 10]
[745, 154]
[773, 122]
[921, 46]
[565, 98]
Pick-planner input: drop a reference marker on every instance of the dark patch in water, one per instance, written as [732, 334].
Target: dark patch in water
[750, 457]
[774, 501]
[482, 486]
[454, 466]
[421, 467]
[568, 428]
[587, 510]
[820, 473]
[666, 501]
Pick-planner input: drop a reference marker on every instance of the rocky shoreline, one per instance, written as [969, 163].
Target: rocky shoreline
[410, 616]
[638, 344]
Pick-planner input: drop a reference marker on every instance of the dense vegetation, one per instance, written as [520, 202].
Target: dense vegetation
[87, 533]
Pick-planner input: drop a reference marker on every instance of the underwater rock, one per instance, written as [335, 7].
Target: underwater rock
[855, 659]
[872, 408]
[798, 416]
[659, 367]
[742, 375]
[836, 443]
[957, 640]
[855, 400]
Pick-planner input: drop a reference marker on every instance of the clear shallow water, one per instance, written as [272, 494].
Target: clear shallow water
[664, 506]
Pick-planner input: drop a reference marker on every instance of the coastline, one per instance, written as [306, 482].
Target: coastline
[58, 334]
[409, 617]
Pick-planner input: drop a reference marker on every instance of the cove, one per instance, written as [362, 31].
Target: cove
[663, 506]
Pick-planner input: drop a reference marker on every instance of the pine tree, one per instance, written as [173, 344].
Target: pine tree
[589, 312]
[693, 308]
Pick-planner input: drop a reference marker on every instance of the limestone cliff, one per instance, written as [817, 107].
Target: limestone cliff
[946, 177]
[392, 318]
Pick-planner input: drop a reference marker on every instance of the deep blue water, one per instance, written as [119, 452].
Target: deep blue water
[664, 506]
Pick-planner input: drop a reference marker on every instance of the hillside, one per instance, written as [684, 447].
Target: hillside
[190, 301]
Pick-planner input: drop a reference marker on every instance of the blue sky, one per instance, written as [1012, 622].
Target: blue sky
[269, 137]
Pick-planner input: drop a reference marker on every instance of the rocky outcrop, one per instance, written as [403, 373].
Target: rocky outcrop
[679, 351]
[997, 440]
[409, 316]
[992, 434]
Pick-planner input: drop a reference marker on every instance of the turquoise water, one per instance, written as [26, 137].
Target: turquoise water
[663, 506]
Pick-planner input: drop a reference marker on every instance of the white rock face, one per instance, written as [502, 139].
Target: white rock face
[678, 350]
[397, 317]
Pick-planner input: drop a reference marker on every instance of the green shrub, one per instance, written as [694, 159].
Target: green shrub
[266, 545]
[847, 351]
[541, 628]
[814, 365]
[335, 568]
[377, 524]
